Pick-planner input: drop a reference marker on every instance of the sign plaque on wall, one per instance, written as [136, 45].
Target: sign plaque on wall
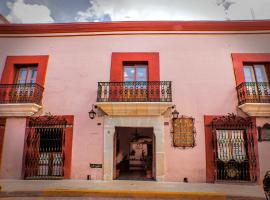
[183, 132]
[95, 165]
[264, 132]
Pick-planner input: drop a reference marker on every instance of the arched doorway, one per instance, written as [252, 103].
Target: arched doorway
[134, 153]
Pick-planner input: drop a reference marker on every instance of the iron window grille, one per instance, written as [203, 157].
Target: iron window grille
[44, 147]
[233, 148]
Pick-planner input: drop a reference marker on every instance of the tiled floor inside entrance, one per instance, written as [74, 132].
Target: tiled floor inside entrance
[134, 175]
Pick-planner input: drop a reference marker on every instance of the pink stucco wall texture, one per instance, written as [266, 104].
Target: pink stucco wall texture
[199, 66]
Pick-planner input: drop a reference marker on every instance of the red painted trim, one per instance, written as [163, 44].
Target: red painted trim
[210, 165]
[67, 147]
[238, 60]
[9, 71]
[117, 68]
[135, 26]
[256, 148]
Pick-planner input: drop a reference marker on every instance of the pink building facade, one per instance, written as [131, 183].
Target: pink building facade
[135, 75]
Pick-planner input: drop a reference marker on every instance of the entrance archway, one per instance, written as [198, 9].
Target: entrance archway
[110, 124]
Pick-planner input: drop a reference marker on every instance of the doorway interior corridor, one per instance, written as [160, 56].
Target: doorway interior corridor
[134, 153]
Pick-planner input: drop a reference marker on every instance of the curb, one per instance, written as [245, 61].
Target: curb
[116, 193]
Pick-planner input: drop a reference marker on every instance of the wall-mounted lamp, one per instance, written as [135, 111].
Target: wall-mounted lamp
[92, 113]
[175, 114]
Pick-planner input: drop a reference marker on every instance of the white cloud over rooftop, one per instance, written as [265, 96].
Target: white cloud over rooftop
[20, 12]
[48, 11]
[139, 10]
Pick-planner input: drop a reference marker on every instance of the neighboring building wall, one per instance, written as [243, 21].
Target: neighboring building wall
[3, 20]
[199, 66]
[264, 148]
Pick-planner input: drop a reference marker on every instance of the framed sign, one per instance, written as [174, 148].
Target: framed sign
[183, 132]
[95, 165]
[264, 132]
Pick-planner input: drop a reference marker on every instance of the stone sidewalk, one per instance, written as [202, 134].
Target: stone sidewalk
[129, 189]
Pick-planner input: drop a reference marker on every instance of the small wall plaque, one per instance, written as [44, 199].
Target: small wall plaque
[264, 132]
[95, 165]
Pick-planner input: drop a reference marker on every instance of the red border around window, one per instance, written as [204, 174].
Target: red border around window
[67, 147]
[210, 166]
[152, 58]
[9, 71]
[238, 60]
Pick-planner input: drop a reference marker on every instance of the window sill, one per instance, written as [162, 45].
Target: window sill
[19, 109]
[256, 109]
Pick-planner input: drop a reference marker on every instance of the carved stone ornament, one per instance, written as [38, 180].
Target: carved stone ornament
[49, 120]
[231, 121]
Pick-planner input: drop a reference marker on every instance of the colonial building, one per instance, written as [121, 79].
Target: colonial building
[164, 101]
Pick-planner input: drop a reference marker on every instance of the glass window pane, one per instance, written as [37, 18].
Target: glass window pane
[129, 74]
[141, 74]
[260, 73]
[22, 76]
[249, 77]
[33, 75]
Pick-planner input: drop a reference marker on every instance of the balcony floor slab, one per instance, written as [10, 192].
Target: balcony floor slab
[134, 108]
[19, 109]
[256, 109]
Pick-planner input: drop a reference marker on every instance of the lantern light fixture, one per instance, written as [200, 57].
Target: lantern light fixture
[92, 113]
[175, 114]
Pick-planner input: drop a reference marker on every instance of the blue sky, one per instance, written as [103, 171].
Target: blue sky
[58, 11]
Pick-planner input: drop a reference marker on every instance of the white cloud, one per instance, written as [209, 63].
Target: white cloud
[20, 12]
[139, 10]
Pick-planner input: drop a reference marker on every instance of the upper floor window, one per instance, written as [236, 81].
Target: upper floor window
[26, 74]
[252, 74]
[255, 72]
[135, 72]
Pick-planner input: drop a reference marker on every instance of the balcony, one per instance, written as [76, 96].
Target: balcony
[134, 98]
[254, 98]
[20, 100]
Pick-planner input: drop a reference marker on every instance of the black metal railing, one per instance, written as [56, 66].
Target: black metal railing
[266, 185]
[21, 93]
[141, 91]
[232, 170]
[253, 92]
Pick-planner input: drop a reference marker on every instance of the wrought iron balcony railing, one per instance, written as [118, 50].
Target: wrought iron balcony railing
[21, 93]
[253, 92]
[141, 91]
